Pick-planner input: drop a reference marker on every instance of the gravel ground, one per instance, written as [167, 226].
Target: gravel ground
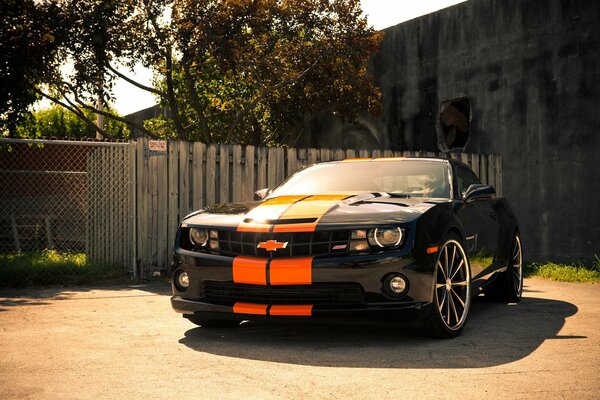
[126, 342]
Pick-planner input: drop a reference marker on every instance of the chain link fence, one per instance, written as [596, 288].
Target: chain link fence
[66, 210]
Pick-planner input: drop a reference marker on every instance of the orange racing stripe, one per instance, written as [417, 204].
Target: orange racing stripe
[291, 271]
[295, 227]
[311, 207]
[250, 270]
[250, 308]
[291, 310]
[269, 210]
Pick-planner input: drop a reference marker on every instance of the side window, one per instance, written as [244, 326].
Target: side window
[465, 178]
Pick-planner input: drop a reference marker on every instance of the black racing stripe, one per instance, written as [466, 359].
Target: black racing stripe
[268, 272]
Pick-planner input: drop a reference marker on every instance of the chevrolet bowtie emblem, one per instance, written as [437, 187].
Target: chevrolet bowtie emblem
[272, 245]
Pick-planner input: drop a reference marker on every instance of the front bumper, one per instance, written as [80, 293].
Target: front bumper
[366, 270]
[410, 313]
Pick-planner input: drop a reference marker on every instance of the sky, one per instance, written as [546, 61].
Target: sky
[380, 13]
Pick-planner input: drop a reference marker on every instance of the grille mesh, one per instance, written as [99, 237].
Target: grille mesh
[299, 244]
[317, 294]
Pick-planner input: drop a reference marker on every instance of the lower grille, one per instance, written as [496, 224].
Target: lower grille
[317, 294]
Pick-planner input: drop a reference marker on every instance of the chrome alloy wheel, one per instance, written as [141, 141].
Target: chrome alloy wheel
[516, 267]
[453, 285]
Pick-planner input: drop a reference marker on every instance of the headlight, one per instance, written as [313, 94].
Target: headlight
[198, 236]
[385, 237]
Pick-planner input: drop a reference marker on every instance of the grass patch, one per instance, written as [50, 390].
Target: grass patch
[50, 267]
[565, 272]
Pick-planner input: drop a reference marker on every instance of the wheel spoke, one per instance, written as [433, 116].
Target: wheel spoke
[448, 311]
[440, 285]
[452, 262]
[457, 268]
[439, 265]
[441, 303]
[446, 273]
[453, 307]
[462, 303]
[461, 283]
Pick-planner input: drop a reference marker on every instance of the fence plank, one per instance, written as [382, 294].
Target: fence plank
[184, 179]
[172, 182]
[236, 176]
[211, 175]
[280, 164]
[197, 176]
[302, 158]
[312, 156]
[142, 199]
[475, 165]
[325, 155]
[483, 164]
[272, 167]
[491, 167]
[261, 174]
[249, 173]
[339, 154]
[376, 153]
[224, 174]
[292, 161]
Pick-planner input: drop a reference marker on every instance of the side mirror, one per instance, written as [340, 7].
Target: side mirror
[478, 191]
[261, 194]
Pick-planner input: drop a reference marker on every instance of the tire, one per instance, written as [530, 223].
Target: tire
[507, 286]
[451, 291]
[213, 323]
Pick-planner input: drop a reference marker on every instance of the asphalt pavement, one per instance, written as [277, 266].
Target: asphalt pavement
[126, 342]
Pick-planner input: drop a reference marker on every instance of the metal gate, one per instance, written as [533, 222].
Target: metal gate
[68, 196]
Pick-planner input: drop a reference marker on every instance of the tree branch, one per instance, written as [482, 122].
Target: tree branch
[82, 104]
[171, 96]
[75, 111]
[195, 100]
[136, 84]
[263, 95]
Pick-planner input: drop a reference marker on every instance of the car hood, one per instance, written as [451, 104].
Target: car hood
[304, 213]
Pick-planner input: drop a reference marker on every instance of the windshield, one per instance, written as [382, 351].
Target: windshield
[402, 177]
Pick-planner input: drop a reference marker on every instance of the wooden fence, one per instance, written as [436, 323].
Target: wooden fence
[187, 176]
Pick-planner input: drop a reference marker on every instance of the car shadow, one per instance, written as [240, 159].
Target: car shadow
[495, 334]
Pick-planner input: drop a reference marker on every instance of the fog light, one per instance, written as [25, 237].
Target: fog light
[398, 284]
[182, 281]
[394, 285]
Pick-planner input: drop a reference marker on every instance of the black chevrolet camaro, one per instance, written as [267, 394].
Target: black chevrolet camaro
[411, 240]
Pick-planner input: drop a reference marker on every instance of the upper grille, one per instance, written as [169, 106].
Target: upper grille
[317, 293]
[233, 243]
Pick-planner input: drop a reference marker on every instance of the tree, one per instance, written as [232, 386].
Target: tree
[30, 42]
[236, 71]
[59, 122]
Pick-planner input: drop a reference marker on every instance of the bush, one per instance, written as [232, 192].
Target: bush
[49, 267]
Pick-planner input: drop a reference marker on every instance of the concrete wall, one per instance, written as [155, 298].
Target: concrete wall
[531, 69]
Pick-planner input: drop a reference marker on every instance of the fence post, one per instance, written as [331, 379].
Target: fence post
[134, 210]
